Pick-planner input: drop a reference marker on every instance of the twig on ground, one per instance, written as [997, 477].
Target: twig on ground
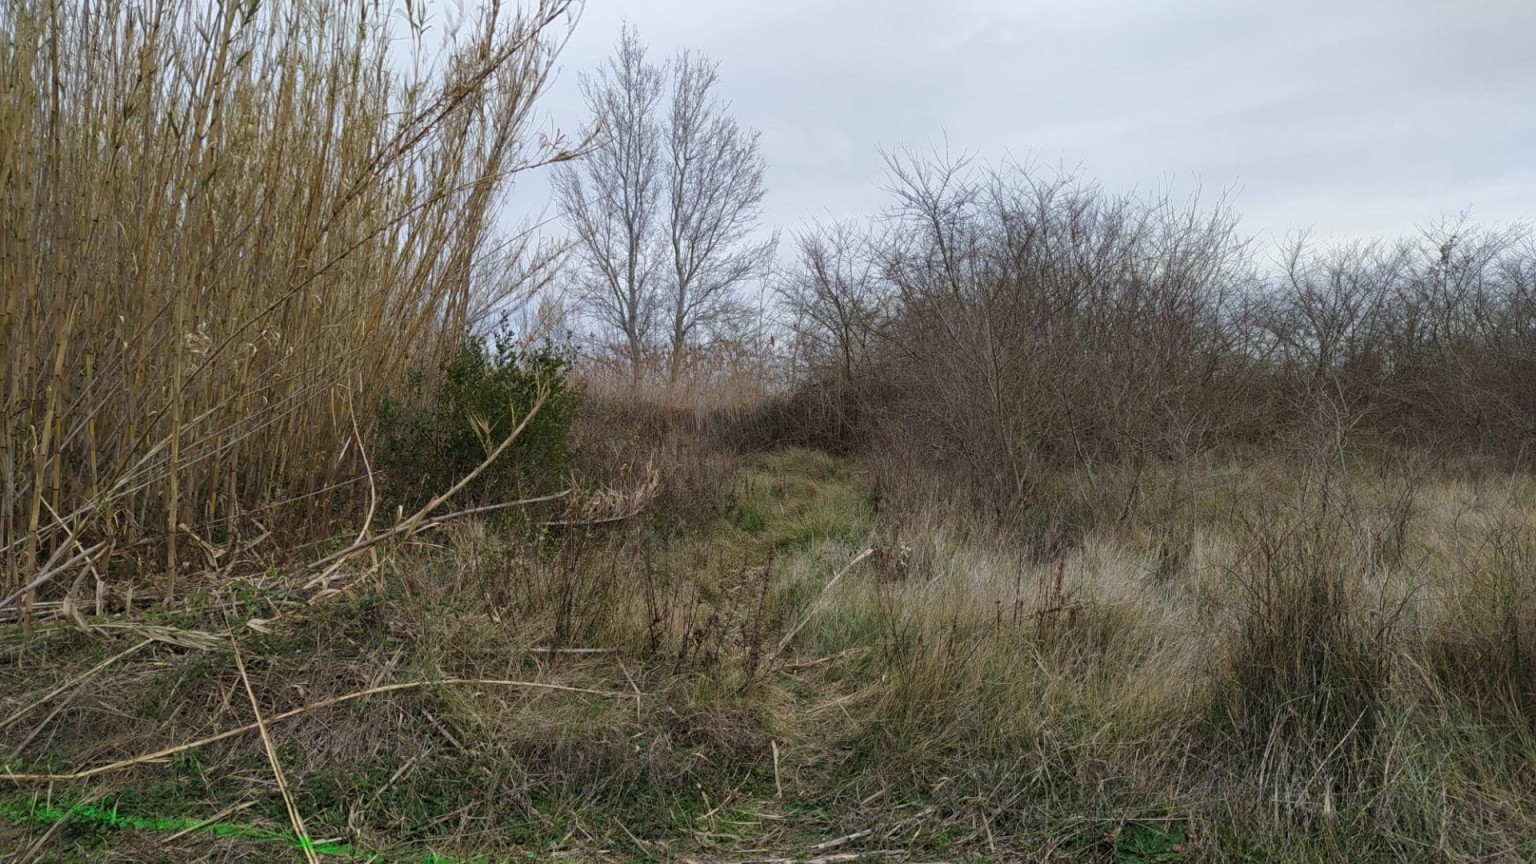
[211, 820]
[73, 682]
[849, 838]
[829, 859]
[778, 784]
[34, 852]
[409, 528]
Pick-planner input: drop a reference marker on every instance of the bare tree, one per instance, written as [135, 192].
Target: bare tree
[715, 186]
[611, 197]
[665, 208]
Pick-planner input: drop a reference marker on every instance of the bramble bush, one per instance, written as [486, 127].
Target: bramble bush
[427, 442]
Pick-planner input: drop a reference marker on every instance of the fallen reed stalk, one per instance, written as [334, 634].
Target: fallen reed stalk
[295, 819]
[159, 755]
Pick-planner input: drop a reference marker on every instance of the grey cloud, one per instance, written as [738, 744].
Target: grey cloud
[1354, 115]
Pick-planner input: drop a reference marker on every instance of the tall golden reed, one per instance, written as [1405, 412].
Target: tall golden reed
[224, 229]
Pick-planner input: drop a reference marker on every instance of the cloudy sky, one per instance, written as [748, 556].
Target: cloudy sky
[1348, 117]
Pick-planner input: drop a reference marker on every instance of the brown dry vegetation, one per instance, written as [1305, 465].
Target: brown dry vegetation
[1065, 531]
[204, 291]
[1260, 660]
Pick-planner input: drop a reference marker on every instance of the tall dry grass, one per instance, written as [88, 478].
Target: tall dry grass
[225, 229]
[1321, 658]
[726, 379]
[1318, 658]
[1321, 661]
[677, 422]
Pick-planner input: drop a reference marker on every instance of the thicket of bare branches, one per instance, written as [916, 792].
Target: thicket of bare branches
[1426, 339]
[835, 304]
[1004, 323]
[835, 299]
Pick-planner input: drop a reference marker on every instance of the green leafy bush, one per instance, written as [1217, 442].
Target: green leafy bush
[428, 442]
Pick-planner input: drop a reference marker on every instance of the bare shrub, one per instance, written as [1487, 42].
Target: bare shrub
[1044, 323]
[837, 301]
[1008, 324]
[1425, 340]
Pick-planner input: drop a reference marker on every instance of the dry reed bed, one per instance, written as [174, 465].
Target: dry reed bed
[227, 229]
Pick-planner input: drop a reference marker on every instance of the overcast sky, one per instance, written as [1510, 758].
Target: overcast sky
[1350, 117]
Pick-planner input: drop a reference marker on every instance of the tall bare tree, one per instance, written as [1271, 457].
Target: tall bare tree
[715, 189]
[612, 197]
[666, 207]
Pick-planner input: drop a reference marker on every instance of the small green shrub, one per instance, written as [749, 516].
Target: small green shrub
[428, 442]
